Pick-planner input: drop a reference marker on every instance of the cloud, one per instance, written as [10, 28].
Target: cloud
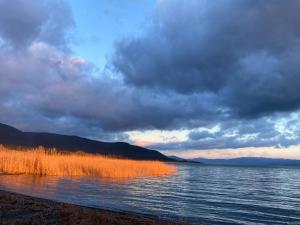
[291, 152]
[245, 52]
[21, 21]
[225, 64]
[44, 83]
[264, 132]
[198, 135]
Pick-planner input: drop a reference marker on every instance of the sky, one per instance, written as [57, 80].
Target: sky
[197, 78]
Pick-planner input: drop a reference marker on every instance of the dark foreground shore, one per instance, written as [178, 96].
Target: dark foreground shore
[17, 209]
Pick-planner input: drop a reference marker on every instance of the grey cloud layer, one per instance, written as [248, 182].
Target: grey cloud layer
[22, 22]
[201, 63]
[246, 52]
[46, 85]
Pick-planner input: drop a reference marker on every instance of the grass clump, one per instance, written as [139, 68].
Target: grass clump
[41, 161]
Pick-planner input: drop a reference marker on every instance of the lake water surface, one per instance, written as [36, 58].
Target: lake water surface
[197, 194]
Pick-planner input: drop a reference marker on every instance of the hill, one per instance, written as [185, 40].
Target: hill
[178, 159]
[10, 136]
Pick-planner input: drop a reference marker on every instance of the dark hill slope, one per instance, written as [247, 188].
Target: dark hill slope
[12, 137]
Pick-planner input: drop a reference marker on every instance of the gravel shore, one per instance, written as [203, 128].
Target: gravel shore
[17, 209]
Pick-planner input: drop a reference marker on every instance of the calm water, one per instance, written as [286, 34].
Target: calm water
[197, 194]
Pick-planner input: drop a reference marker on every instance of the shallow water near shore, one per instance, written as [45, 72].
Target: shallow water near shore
[195, 194]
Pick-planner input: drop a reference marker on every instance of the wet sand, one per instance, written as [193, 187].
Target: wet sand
[17, 209]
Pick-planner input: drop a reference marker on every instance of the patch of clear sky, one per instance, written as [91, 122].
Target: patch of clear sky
[100, 23]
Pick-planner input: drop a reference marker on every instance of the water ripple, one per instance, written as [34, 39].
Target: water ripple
[197, 194]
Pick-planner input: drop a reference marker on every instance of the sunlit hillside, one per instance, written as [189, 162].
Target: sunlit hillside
[41, 161]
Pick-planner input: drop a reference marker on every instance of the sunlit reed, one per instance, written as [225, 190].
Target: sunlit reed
[41, 161]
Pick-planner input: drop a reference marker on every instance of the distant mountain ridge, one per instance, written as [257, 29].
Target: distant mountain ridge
[178, 159]
[11, 136]
[250, 161]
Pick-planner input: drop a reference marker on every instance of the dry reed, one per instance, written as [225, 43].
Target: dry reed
[40, 161]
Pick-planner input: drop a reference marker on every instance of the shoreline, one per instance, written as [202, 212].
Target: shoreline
[26, 210]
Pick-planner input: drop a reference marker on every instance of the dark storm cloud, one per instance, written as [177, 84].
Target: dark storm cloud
[119, 108]
[247, 52]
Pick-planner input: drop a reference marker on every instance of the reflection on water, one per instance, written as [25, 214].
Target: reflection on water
[199, 194]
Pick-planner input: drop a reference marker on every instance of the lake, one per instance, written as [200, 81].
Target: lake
[195, 194]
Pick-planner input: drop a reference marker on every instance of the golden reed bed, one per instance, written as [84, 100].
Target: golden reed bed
[40, 161]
